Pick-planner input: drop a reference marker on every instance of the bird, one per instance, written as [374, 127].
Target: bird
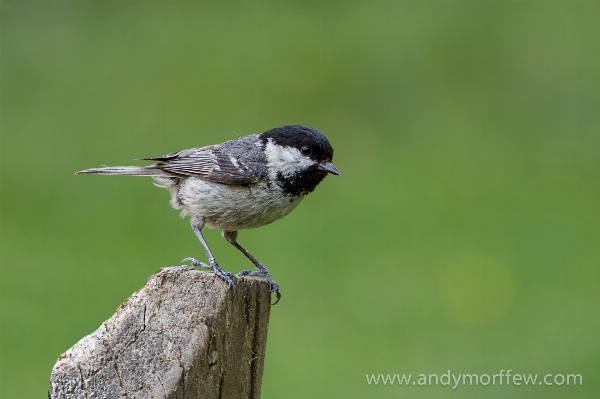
[244, 183]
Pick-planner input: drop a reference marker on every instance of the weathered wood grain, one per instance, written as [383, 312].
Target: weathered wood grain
[183, 335]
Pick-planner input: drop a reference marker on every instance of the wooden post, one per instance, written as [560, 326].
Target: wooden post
[183, 335]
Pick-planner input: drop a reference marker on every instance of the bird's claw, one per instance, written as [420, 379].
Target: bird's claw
[228, 277]
[277, 296]
[257, 273]
[275, 289]
[195, 262]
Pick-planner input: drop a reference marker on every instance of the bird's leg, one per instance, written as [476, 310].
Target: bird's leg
[198, 223]
[231, 237]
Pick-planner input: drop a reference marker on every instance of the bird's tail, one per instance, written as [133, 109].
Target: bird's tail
[151, 170]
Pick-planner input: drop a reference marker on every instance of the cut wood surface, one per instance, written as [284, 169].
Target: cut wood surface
[183, 335]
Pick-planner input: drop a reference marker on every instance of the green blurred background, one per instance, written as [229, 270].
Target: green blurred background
[463, 233]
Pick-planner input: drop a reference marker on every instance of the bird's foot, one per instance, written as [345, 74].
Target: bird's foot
[196, 263]
[228, 277]
[267, 276]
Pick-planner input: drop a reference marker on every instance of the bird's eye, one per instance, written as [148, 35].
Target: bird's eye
[305, 150]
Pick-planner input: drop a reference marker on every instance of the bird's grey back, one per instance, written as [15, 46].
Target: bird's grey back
[249, 151]
[239, 161]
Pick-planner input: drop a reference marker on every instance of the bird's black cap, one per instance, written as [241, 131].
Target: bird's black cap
[298, 136]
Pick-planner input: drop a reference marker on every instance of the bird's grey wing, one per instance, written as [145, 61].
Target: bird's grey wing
[176, 154]
[233, 162]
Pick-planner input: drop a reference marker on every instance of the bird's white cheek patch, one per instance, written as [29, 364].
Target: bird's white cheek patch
[287, 160]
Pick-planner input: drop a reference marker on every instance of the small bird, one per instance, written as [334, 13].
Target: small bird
[240, 184]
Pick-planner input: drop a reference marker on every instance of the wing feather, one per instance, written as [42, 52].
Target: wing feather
[217, 163]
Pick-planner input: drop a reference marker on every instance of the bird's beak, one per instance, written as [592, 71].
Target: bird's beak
[328, 167]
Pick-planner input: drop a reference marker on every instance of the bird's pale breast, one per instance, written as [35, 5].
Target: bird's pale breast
[233, 207]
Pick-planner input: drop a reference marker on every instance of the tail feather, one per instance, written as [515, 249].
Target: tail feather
[126, 171]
